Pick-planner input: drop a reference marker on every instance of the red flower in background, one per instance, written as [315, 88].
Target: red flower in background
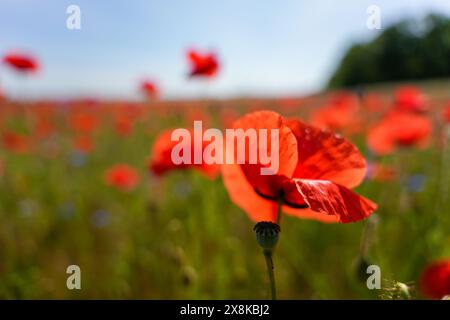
[83, 122]
[316, 171]
[399, 129]
[15, 142]
[161, 159]
[202, 65]
[150, 89]
[43, 128]
[435, 279]
[410, 98]
[122, 177]
[341, 113]
[83, 143]
[21, 62]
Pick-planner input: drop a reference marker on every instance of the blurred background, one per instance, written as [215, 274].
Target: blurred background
[264, 48]
[81, 110]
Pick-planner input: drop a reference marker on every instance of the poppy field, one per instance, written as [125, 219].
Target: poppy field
[363, 180]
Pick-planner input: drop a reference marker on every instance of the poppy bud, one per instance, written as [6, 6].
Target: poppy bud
[267, 234]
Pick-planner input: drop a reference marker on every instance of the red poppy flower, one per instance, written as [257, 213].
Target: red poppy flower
[83, 143]
[435, 279]
[150, 89]
[409, 98]
[341, 113]
[399, 129]
[43, 128]
[161, 160]
[122, 177]
[15, 142]
[316, 171]
[332, 118]
[202, 65]
[21, 62]
[83, 122]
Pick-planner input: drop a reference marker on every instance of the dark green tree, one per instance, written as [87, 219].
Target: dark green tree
[408, 50]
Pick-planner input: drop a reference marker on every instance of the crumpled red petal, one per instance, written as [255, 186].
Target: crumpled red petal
[335, 200]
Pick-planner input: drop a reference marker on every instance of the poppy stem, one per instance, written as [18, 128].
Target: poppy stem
[269, 264]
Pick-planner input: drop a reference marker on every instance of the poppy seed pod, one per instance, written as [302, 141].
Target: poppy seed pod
[267, 234]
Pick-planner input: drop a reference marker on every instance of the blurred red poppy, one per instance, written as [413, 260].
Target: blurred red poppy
[399, 129]
[410, 98]
[202, 65]
[83, 143]
[43, 128]
[150, 89]
[83, 122]
[316, 171]
[15, 142]
[341, 113]
[122, 177]
[435, 279]
[161, 159]
[21, 62]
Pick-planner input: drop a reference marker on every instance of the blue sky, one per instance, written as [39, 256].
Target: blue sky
[266, 47]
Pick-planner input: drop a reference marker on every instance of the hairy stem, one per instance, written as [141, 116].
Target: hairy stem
[269, 264]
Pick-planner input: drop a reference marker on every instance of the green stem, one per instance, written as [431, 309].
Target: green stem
[268, 257]
[367, 236]
[269, 264]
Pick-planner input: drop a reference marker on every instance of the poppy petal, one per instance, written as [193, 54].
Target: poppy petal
[333, 199]
[326, 156]
[310, 215]
[244, 196]
[285, 149]
[295, 205]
